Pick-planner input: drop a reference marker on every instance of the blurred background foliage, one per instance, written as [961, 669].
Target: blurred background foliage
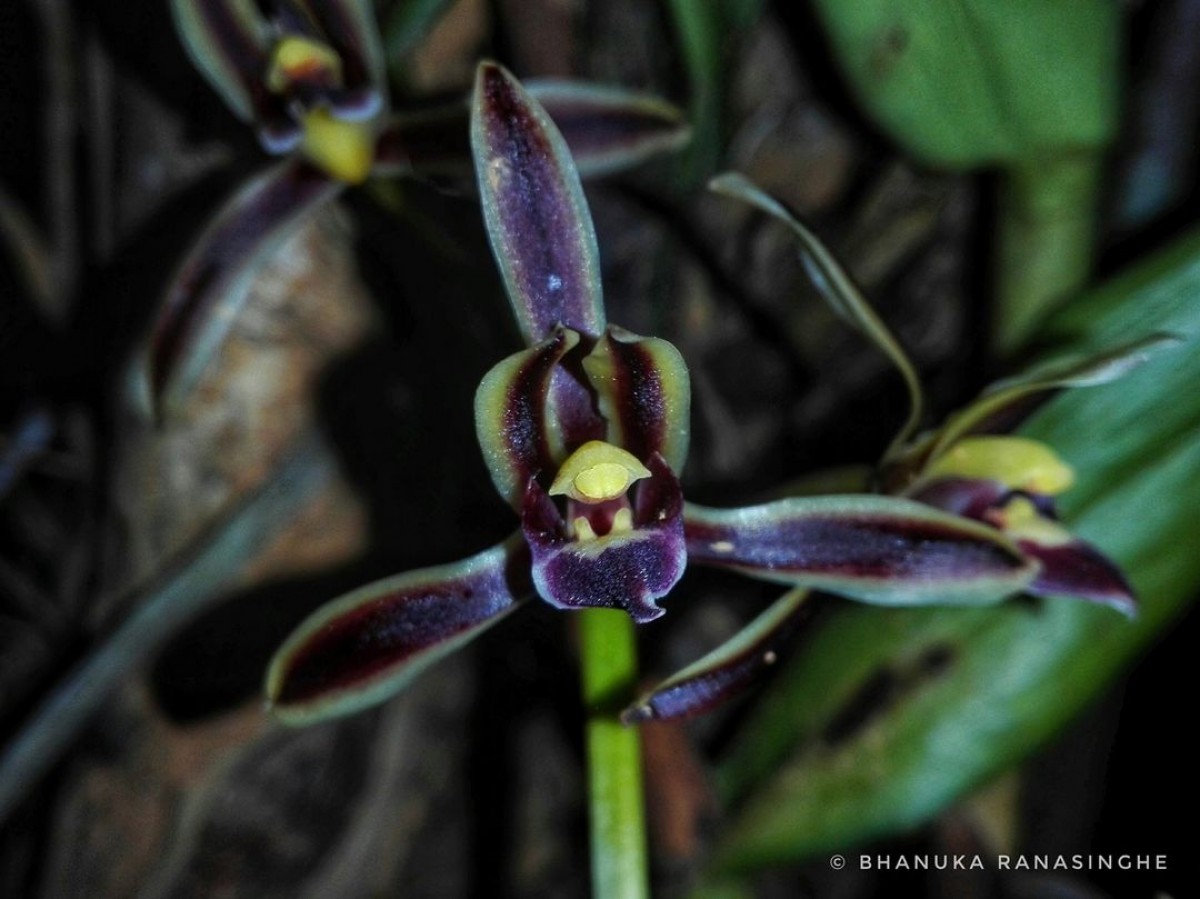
[978, 167]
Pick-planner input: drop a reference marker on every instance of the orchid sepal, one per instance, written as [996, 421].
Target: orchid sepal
[362, 648]
[879, 550]
[210, 286]
[728, 670]
[607, 130]
[537, 218]
[1068, 566]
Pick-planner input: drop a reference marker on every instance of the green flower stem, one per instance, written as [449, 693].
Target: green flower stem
[1047, 238]
[609, 660]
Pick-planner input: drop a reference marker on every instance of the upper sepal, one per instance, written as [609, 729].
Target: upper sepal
[533, 206]
[875, 549]
[627, 570]
[364, 647]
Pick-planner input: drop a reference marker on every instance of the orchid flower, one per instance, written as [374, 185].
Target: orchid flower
[1007, 482]
[585, 433]
[309, 77]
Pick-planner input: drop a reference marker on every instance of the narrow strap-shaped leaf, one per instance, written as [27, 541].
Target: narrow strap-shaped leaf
[511, 415]
[228, 41]
[187, 586]
[876, 549]
[536, 215]
[364, 647]
[607, 130]
[644, 393]
[209, 288]
[838, 290]
[1102, 368]
[728, 670]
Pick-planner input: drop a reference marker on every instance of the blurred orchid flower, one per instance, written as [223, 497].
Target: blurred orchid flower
[1004, 481]
[585, 433]
[309, 76]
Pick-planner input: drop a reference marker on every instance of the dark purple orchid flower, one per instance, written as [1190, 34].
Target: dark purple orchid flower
[585, 433]
[1005, 482]
[309, 76]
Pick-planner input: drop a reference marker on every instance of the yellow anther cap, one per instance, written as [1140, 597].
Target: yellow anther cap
[298, 58]
[1017, 462]
[597, 472]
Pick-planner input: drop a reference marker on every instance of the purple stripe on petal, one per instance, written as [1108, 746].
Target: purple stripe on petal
[644, 392]
[536, 215]
[1078, 570]
[211, 284]
[628, 571]
[511, 419]
[876, 549]
[362, 648]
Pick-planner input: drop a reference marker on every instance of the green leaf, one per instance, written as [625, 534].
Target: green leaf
[889, 715]
[964, 83]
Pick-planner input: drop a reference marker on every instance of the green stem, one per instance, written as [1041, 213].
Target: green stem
[1047, 239]
[609, 660]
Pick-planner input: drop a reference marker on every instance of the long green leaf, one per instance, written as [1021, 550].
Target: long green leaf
[887, 716]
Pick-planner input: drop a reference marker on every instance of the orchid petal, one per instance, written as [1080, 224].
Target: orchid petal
[536, 215]
[511, 416]
[607, 130]
[350, 29]
[1101, 368]
[644, 393]
[364, 647]
[728, 670]
[874, 549]
[968, 497]
[213, 281]
[629, 570]
[838, 290]
[229, 42]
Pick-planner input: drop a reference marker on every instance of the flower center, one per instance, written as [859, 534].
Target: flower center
[595, 479]
[597, 472]
[301, 68]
